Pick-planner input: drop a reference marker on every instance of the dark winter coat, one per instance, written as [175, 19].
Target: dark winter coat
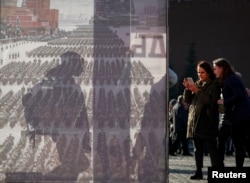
[236, 102]
[180, 117]
[203, 117]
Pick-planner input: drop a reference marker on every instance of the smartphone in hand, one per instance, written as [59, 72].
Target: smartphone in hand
[190, 81]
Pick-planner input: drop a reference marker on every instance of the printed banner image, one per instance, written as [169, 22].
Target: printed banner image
[83, 91]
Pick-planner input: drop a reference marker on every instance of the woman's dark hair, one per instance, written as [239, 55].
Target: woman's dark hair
[227, 68]
[208, 68]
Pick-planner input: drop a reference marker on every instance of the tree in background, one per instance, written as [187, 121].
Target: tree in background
[190, 71]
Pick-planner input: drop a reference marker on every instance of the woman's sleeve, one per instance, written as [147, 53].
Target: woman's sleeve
[188, 96]
[234, 85]
[209, 96]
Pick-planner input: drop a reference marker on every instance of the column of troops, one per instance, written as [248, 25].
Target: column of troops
[61, 117]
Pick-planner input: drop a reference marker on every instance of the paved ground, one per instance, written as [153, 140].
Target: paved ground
[182, 167]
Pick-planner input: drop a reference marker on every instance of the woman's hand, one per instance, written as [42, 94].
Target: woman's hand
[220, 102]
[186, 83]
[191, 87]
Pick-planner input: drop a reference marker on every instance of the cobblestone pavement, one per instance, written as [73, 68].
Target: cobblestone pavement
[182, 167]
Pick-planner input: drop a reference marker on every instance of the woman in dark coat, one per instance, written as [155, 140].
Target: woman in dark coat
[203, 117]
[237, 106]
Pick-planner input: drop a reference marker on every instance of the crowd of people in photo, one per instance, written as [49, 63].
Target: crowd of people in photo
[102, 42]
[213, 112]
[109, 72]
[97, 51]
[64, 103]
[130, 112]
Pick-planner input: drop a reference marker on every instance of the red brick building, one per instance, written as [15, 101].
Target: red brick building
[34, 17]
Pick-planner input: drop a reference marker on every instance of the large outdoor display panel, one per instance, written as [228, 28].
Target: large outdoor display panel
[83, 91]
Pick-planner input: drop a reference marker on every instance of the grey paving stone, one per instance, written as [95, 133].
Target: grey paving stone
[182, 167]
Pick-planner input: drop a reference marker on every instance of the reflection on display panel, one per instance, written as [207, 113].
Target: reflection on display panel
[86, 104]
